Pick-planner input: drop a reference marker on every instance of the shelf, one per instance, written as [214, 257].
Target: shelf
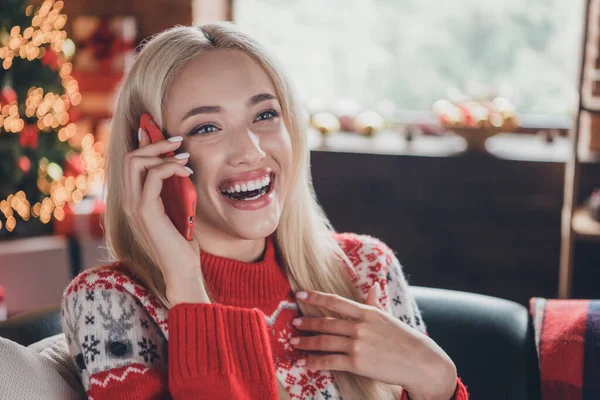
[584, 226]
[505, 146]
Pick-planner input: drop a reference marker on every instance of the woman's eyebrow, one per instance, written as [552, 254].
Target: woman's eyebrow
[202, 110]
[252, 101]
[257, 98]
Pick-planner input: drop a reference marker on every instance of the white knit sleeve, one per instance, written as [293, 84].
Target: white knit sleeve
[374, 261]
[107, 329]
[401, 303]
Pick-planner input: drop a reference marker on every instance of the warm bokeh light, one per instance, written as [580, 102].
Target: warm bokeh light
[44, 35]
[11, 222]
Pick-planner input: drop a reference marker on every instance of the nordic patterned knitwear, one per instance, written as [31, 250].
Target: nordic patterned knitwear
[126, 345]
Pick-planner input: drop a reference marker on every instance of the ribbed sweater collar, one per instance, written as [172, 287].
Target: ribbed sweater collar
[238, 283]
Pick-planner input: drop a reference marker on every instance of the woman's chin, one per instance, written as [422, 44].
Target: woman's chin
[254, 233]
[255, 226]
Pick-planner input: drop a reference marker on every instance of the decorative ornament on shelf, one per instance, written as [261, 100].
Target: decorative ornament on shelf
[346, 110]
[326, 123]
[476, 121]
[387, 109]
[368, 123]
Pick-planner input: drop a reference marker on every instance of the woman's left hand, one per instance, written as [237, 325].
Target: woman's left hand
[374, 344]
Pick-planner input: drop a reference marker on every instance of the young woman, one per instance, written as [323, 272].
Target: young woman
[267, 301]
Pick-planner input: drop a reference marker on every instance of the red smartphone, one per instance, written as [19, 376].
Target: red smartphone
[178, 193]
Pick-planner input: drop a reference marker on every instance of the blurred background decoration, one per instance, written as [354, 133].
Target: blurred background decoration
[47, 165]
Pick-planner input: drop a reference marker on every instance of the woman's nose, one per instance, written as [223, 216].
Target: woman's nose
[246, 148]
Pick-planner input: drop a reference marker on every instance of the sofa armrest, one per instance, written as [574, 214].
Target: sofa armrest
[489, 339]
[31, 327]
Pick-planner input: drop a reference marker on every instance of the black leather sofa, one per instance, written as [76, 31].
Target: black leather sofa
[489, 339]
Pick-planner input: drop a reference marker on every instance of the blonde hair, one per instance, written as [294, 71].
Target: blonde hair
[310, 254]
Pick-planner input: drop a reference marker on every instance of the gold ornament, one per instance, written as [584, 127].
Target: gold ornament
[368, 123]
[325, 122]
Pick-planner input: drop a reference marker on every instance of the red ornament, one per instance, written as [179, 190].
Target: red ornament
[24, 164]
[73, 165]
[50, 59]
[8, 95]
[74, 114]
[29, 136]
[467, 115]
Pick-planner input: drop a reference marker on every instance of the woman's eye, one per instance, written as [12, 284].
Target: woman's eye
[204, 130]
[270, 114]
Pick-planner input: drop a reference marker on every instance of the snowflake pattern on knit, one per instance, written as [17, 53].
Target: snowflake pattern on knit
[374, 261]
[148, 350]
[101, 324]
[122, 308]
[303, 383]
[284, 337]
[90, 348]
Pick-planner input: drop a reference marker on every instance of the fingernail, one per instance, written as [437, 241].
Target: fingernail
[181, 156]
[378, 289]
[301, 362]
[175, 139]
[296, 322]
[139, 134]
[301, 295]
[188, 169]
[294, 340]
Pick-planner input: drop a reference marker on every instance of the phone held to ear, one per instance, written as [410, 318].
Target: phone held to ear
[178, 193]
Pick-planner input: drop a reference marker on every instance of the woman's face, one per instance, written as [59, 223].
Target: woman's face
[224, 105]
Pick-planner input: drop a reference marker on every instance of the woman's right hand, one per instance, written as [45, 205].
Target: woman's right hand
[179, 260]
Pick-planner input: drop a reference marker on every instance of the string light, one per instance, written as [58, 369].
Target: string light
[46, 29]
[46, 34]
[61, 192]
[11, 222]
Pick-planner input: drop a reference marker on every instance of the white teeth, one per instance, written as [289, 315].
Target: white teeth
[256, 184]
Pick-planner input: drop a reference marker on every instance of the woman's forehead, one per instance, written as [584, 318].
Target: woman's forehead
[221, 75]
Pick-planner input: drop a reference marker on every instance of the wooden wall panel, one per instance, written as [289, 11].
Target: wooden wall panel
[473, 223]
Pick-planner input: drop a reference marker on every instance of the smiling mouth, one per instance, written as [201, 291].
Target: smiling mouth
[251, 190]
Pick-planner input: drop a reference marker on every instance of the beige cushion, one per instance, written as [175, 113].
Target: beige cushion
[43, 370]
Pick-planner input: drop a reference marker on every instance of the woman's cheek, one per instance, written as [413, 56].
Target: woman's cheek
[207, 167]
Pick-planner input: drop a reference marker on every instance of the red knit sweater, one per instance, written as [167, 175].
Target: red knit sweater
[126, 345]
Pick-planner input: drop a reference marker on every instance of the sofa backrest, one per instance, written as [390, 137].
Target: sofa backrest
[31, 327]
[489, 339]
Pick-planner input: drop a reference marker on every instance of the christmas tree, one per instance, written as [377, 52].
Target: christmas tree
[45, 164]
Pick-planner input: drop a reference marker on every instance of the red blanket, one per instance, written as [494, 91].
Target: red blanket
[567, 336]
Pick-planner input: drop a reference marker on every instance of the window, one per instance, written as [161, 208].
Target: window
[413, 51]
